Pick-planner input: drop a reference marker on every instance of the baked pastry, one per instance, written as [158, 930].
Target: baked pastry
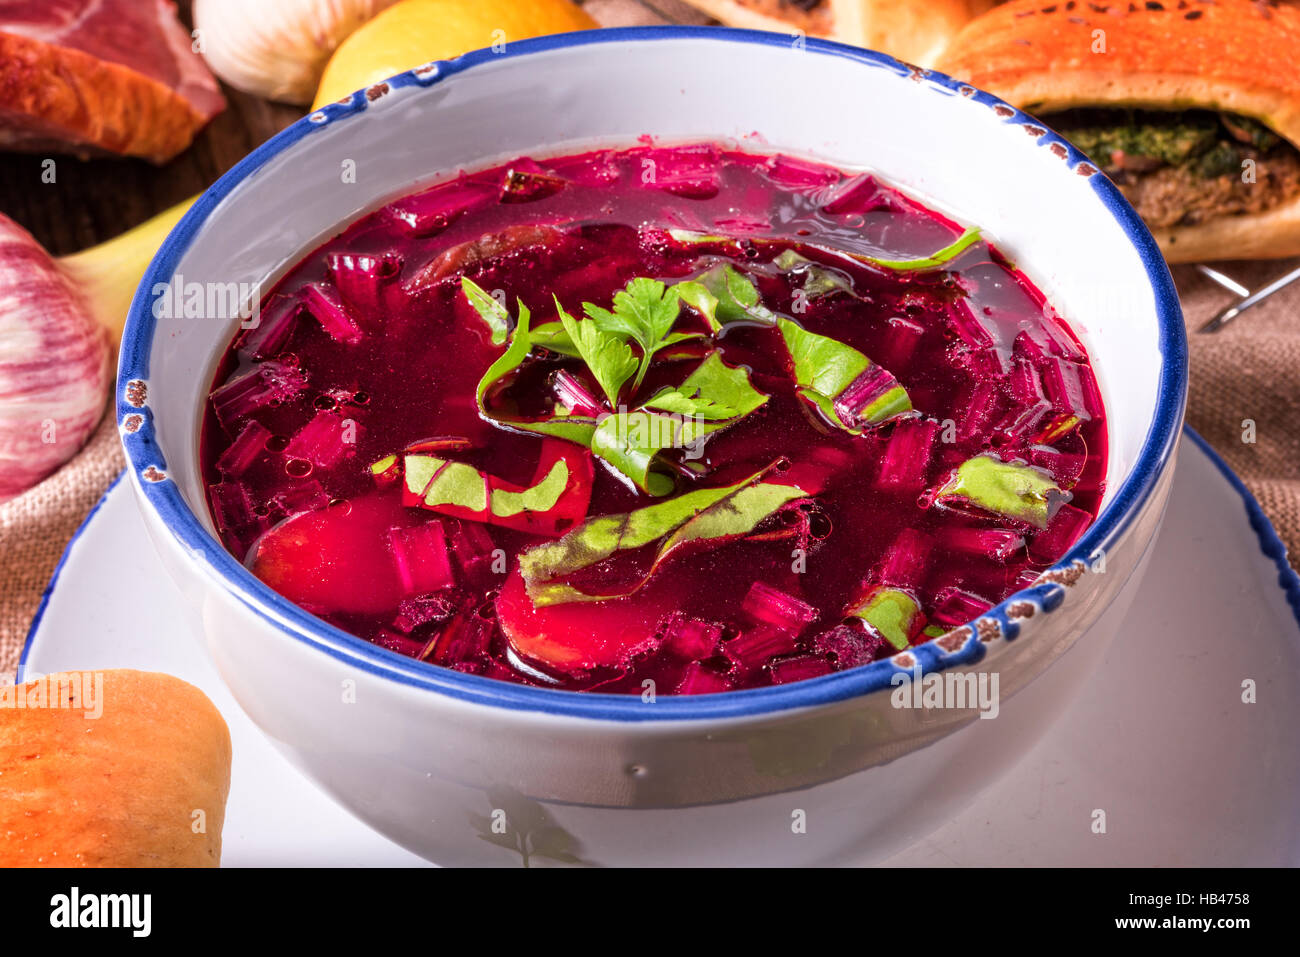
[101, 76]
[111, 769]
[1191, 106]
[912, 30]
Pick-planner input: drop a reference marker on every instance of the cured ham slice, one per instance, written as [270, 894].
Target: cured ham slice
[101, 76]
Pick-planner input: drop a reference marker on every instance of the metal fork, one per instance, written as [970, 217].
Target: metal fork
[1248, 298]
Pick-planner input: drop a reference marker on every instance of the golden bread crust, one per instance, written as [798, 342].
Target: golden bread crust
[1233, 55]
[119, 790]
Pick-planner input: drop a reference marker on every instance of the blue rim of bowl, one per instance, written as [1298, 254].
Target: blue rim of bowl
[143, 452]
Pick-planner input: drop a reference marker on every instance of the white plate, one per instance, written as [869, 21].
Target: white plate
[1160, 740]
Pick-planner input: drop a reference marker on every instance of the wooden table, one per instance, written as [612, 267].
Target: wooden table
[94, 200]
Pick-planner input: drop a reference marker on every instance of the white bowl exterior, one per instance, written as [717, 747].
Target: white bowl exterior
[426, 768]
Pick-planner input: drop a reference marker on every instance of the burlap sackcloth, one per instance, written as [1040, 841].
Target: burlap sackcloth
[1245, 385]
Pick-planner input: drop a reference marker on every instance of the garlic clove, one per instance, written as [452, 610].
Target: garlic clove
[276, 50]
[54, 364]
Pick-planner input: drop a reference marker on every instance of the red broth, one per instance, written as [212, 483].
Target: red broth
[887, 429]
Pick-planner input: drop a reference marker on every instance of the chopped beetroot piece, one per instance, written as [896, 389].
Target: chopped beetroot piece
[526, 182]
[1072, 388]
[463, 639]
[326, 307]
[302, 497]
[799, 668]
[474, 550]
[327, 558]
[850, 645]
[1017, 426]
[593, 169]
[422, 557]
[907, 455]
[232, 509]
[1026, 579]
[573, 395]
[982, 405]
[1062, 531]
[439, 443]
[998, 544]
[757, 645]
[578, 637]
[1030, 346]
[690, 638]
[1064, 467]
[982, 363]
[423, 609]
[901, 341]
[873, 397]
[954, 607]
[270, 384]
[799, 175]
[247, 448]
[771, 606]
[698, 678]
[907, 561]
[367, 285]
[1059, 340]
[1056, 427]
[1023, 383]
[732, 225]
[276, 322]
[969, 327]
[325, 440]
[429, 213]
[402, 644]
[861, 194]
[690, 171]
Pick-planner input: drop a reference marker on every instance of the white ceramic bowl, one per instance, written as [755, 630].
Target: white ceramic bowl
[467, 770]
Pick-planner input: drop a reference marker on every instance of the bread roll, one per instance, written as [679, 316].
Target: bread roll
[1233, 56]
[111, 769]
[912, 30]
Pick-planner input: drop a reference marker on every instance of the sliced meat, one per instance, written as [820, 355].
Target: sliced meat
[1182, 196]
[101, 76]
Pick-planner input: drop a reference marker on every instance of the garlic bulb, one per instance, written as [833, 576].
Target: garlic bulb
[54, 364]
[277, 50]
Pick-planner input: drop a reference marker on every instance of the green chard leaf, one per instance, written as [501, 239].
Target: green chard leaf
[712, 515]
[818, 280]
[553, 336]
[1011, 489]
[893, 613]
[495, 315]
[459, 489]
[723, 295]
[710, 398]
[848, 388]
[958, 246]
[540, 497]
[609, 358]
[574, 428]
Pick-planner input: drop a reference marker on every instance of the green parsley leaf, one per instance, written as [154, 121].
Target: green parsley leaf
[643, 312]
[609, 358]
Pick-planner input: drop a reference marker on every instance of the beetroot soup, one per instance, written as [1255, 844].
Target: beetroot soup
[713, 419]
